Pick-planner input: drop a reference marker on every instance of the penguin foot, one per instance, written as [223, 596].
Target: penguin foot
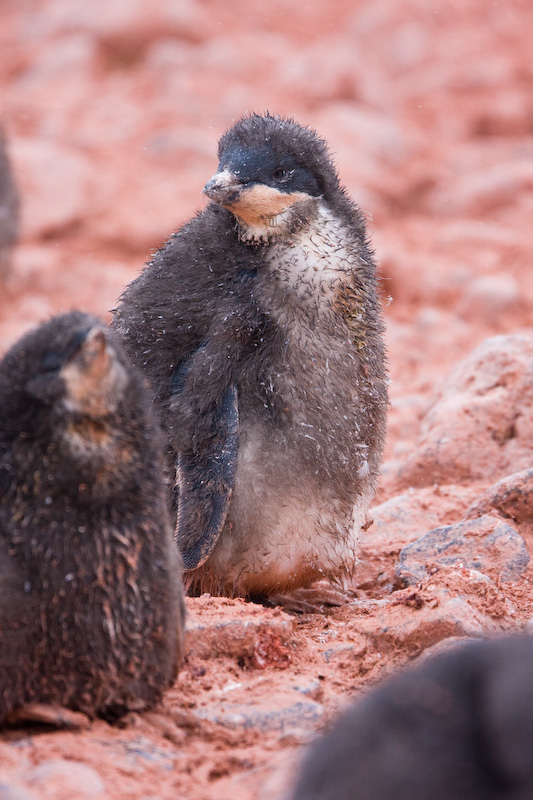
[44, 714]
[314, 599]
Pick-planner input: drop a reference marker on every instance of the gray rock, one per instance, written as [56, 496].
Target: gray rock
[447, 606]
[512, 497]
[9, 209]
[334, 652]
[10, 791]
[485, 544]
[143, 751]
[258, 639]
[300, 714]
[79, 780]
[480, 427]
[408, 516]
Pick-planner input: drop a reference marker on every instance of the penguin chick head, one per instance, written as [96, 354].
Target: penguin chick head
[67, 366]
[271, 173]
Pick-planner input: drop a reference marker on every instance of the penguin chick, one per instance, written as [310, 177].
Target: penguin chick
[457, 727]
[91, 598]
[259, 327]
[9, 210]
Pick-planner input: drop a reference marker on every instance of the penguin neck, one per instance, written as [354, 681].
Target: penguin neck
[284, 226]
[315, 260]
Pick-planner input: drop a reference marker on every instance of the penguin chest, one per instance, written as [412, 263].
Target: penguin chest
[314, 377]
[307, 270]
[311, 293]
[299, 497]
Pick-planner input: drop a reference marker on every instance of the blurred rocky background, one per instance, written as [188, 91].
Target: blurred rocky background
[111, 112]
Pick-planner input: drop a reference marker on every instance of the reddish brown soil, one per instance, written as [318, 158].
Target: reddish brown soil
[113, 109]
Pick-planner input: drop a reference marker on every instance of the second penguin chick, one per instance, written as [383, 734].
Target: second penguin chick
[259, 327]
[91, 598]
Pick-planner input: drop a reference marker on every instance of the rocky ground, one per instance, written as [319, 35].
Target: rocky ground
[112, 110]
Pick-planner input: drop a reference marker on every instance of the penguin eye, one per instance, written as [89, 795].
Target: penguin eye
[52, 362]
[282, 175]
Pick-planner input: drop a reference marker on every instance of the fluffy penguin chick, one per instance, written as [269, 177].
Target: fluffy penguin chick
[91, 598]
[457, 727]
[259, 327]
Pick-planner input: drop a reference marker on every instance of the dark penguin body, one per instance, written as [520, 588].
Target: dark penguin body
[457, 727]
[91, 597]
[259, 328]
[9, 209]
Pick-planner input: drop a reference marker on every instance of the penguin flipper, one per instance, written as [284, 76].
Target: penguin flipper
[205, 484]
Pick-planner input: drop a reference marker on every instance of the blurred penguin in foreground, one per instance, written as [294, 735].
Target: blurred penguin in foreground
[457, 727]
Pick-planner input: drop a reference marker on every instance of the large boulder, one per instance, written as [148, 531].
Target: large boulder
[480, 428]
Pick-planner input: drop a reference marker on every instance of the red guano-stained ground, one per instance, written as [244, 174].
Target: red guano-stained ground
[112, 110]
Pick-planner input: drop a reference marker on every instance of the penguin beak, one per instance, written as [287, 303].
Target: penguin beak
[224, 188]
[93, 376]
[92, 355]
